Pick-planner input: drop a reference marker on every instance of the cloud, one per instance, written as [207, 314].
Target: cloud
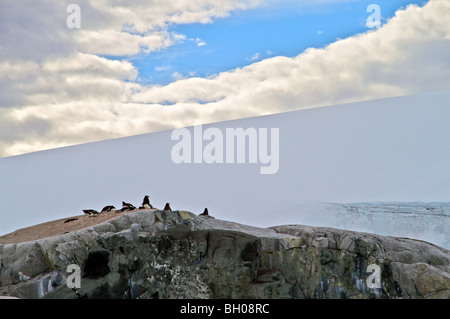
[37, 29]
[407, 55]
[75, 77]
[255, 56]
[258, 56]
[69, 92]
[57, 75]
[177, 76]
[200, 42]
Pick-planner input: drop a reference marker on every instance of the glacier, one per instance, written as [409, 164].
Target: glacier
[424, 221]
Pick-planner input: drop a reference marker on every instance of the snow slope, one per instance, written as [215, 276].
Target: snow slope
[395, 149]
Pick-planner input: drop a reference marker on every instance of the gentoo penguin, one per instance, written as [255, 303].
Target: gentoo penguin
[205, 212]
[94, 212]
[167, 207]
[90, 212]
[107, 209]
[127, 207]
[70, 220]
[146, 203]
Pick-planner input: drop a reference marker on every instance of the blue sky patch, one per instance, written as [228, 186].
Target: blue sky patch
[252, 35]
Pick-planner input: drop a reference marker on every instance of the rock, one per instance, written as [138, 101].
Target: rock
[163, 254]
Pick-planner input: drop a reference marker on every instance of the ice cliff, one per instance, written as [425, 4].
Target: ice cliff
[424, 221]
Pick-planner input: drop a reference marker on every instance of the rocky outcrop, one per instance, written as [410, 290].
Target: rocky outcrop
[161, 254]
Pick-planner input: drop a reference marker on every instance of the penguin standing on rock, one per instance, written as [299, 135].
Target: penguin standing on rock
[146, 203]
[127, 207]
[205, 212]
[90, 212]
[167, 207]
[107, 209]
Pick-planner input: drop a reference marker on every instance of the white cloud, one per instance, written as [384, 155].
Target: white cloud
[200, 42]
[61, 96]
[405, 56]
[255, 56]
[177, 76]
[37, 29]
[51, 74]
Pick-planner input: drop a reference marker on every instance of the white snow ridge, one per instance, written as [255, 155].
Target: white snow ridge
[392, 156]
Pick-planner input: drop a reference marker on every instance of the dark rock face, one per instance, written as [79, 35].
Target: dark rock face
[176, 254]
[97, 263]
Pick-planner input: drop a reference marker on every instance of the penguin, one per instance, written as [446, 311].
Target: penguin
[167, 207]
[107, 209]
[94, 212]
[146, 203]
[70, 220]
[127, 207]
[205, 212]
[90, 212]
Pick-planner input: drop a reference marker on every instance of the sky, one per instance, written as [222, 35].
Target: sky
[255, 34]
[145, 66]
